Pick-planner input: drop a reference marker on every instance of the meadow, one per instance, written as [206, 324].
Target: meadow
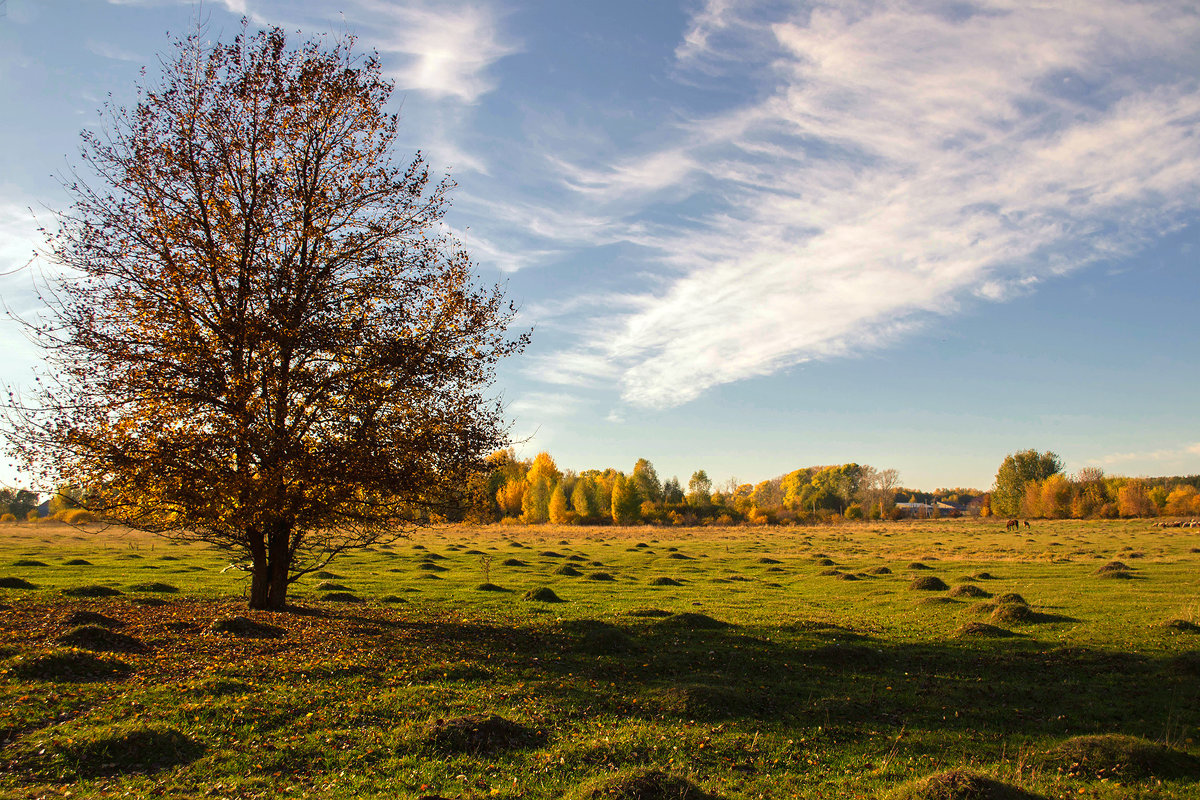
[921, 659]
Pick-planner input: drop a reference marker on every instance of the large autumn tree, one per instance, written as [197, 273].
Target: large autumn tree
[264, 338]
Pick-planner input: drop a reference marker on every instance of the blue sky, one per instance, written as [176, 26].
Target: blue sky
[754, 236]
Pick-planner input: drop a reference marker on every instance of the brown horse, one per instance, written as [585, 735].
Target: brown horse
[1013, 523]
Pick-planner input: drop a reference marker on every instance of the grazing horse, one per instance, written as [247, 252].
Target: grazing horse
[1026, 523]
[1012, 523]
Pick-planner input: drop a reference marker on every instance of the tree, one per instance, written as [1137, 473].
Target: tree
[672, 491]
[878, 490]
[646, 478]
[626, 501]
[699, 491]
[268, 341]
[583, 498]
[557, 508]
[1015, 472]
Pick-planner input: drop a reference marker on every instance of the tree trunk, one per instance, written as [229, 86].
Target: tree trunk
[280, 562]
[259, 570]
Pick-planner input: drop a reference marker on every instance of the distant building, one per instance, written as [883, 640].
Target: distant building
[926, 510]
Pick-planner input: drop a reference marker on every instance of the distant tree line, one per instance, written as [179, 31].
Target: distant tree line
[536, 491]
[1033, 484]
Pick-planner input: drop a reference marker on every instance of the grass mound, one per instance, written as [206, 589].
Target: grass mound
[847, 576]
[600, 638]
[1112, 754]
[648, 612]
[1117, 574]
[29, 562]
[959, 784]
[513, 562]
[479, 733]
[325, 575]
[68, 666]
[664, 581]
[1011, 598]
[94, 637]
[162, 588]
[119, 749]
[1018, 613]
[1185, 664]
[1115, 566]
[568, 570]
[331, 586]
[392, 598]
[766, 560]
[490, 587]
[969, 590]
[824, 562]
[832, 572]
[692, 621]
[881, 571]
[246, 628]
[680, 557]
[429, 566]
[929, 583]
[1182, 625]
[77, 562]
[543, 595]
[599, 576]
[342, 597]
[645, 785]
[550, 554]
[94, 618]
[917, 565]
[983, 630]
[91, 591]
[10, 582]
[984, 576]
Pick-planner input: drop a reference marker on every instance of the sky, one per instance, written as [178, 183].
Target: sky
[754, 236]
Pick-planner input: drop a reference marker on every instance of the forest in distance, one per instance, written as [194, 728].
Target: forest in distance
[1028, 484]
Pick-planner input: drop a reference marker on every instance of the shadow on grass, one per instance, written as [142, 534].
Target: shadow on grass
[840, 679]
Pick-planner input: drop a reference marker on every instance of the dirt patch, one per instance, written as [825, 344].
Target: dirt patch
[480, 733]
[246, 628]
[94, 637]
[960, 784]
[1116, 755]
[929, 583]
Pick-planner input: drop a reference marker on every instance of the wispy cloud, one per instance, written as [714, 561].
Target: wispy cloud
[1173, 454]
[912, 157]
[447, 47]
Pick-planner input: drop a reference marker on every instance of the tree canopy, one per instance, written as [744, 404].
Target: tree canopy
[1017, 470]
[265, 339]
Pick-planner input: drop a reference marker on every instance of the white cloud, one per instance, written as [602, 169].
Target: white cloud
[912, 156]
[447, 47]
[1176, 455]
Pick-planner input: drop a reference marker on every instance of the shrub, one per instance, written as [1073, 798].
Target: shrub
[76, 516]
[8, 517]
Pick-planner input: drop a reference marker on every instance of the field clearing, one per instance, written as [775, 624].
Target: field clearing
[780, 662]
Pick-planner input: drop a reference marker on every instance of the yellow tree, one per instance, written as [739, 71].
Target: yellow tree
[558, 505]
[1183, 501]
[266, 340]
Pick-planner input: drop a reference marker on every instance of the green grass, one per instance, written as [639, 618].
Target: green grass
[748, 674]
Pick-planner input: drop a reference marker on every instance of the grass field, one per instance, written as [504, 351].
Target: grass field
[727, 663]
